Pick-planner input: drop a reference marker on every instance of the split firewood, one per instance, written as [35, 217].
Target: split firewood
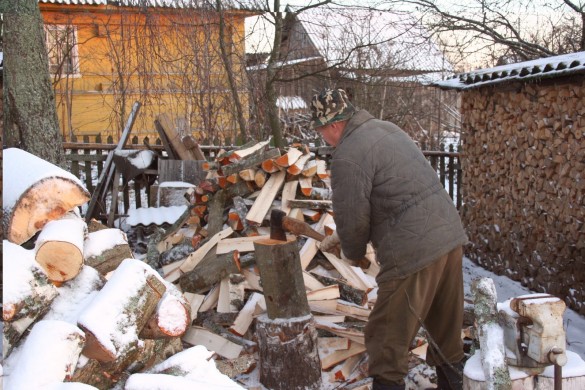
[234, 220]
[184, 151]
[322, 169]
[349, 273]
[331, 358]
[306, 184]
[317, 193]
[41, 192]
[194, 258]
[310, 204]
[105, 249]
[240, 244]
[231, 294]
[310, 168]
[241, 153]
[233, 178]
[288, 159]
[349, 366]
[254, 306]
[195, 302]
[264, 202]
[311, 215]
[46, 337]
[270, 166]
[26, 297]
[251, 161]
[328, 292]
[171, 317]
[136, 288]
[347, 292]
[260, 178]
[311, 283]
[213, 268]
[296, 213]
[352, 334]
[247, 174]
[289, 192]
[220, 345]
[298, 166]
[210, 300]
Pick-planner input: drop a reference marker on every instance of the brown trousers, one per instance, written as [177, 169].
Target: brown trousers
[432, 297]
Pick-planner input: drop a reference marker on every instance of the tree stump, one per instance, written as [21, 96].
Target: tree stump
[287, 338]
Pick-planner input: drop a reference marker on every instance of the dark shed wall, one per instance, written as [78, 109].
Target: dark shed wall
[524, 183]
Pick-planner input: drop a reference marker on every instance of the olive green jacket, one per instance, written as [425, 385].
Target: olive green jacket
[385, 191]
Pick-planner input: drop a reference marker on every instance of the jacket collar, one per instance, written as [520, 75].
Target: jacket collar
[358, 119]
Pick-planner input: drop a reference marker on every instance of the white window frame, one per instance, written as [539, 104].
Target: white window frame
[57, 54]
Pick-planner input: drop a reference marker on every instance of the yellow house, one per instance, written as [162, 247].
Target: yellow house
[104, 55]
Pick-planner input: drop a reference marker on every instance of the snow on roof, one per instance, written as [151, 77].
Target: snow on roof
[529, 70]
[371, 39]
[291, 103]
[233, 4]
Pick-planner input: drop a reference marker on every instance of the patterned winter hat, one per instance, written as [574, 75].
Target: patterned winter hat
[329, 106]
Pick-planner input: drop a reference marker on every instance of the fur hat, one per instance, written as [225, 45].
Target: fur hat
[329, 106]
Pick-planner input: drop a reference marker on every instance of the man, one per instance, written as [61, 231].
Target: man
[386, 192]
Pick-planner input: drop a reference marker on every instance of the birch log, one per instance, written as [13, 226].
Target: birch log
[49, 355]
[27, 293]
[36, 192]
[59, 248]
[120, 310]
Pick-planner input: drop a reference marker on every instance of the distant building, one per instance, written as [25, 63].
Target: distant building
[383, 60]
[104, 55]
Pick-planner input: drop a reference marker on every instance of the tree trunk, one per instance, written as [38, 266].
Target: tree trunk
[288, 353]
[30, 120]
[106, 259]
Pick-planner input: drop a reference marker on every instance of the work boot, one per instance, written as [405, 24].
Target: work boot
[381, 386]
[450, 376]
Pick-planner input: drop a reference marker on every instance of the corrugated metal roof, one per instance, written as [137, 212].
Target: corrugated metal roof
[232, 4]
[383, 39]
[522, 71]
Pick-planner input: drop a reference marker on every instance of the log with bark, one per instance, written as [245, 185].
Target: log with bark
[43, 192]
[134, 290]
[105, 249]
[27, 293]
[59, 248]
[287, 338]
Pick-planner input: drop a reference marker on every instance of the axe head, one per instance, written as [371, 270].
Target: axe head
[276, 227]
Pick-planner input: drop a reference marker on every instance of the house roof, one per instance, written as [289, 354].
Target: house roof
[232, 4]
[522, 71]
[383, 39]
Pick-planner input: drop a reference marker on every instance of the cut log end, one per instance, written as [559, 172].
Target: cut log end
[61, 261]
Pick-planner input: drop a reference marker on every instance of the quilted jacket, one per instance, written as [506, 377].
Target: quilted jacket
[385, 191]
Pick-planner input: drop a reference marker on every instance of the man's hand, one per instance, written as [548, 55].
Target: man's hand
[331, 244]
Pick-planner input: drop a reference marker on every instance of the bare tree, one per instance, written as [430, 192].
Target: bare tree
[506, 30]
[30, 119]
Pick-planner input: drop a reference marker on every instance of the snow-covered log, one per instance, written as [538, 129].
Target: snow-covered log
[110, 375]
[49, 355]
[36, 192]
[491, 335]
[59, 247]
[193, 368]
[120, 310]
[28, 293]
[171, 318]
[105, 249]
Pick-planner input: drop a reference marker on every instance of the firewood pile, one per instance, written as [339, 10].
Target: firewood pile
[116, 316]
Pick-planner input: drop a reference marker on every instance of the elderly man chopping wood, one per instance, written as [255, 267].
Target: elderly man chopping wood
[386, 192]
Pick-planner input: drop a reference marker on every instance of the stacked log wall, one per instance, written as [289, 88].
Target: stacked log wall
[524, 184]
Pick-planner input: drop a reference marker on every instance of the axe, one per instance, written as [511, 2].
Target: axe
[280, 223]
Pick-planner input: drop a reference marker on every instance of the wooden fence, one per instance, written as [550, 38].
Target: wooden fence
[87, 162]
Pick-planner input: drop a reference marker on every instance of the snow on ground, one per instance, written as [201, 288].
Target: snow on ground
[507, 288]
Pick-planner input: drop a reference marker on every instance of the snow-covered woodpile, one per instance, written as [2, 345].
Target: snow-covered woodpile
[524, 190]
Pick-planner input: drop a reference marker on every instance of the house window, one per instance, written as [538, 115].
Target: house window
[62, 49]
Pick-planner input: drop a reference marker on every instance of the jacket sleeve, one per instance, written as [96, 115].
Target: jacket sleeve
[351, 206]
